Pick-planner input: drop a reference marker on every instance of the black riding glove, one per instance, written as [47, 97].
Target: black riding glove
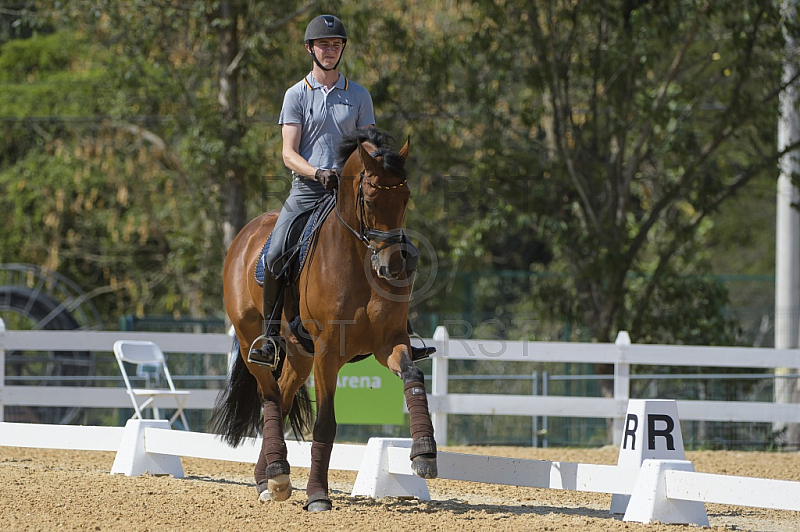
[327, 178]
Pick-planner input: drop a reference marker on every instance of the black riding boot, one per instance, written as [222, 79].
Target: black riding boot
[267, 354]
[419, 353]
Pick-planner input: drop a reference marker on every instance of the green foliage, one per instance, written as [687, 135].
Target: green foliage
[686, 310]
[632, 134]
[27, 59]
[124, 135]
[592, 145]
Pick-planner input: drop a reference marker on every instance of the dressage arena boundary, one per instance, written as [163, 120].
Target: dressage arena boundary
[660, 490]
[622, 354]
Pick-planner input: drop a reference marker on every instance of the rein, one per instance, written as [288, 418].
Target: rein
[365, 234]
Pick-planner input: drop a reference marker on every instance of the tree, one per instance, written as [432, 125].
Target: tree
[589, 142]
[634, 121]
[153, 114]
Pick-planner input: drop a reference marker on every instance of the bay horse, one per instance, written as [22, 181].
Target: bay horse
[354, 297]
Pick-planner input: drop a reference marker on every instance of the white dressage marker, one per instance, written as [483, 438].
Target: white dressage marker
[649, 502]
[651, 430]
[134, 459]
[376, 479]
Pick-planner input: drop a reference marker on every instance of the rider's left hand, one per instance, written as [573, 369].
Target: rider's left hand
[328, 178]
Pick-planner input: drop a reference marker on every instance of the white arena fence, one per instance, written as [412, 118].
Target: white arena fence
[661, 490]
[622, 355]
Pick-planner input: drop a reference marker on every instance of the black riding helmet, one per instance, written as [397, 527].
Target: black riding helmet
[325, 27]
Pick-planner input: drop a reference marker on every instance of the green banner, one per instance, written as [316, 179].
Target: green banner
[367, 394]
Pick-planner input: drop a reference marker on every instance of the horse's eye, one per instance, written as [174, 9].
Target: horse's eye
[368, 203]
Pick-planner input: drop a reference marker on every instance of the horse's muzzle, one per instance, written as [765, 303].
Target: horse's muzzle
[392, 268]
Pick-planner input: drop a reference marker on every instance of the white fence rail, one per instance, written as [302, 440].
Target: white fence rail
[95, 341]
[621, 355]
[668, 491]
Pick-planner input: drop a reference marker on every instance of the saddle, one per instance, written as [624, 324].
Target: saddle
[298, 241]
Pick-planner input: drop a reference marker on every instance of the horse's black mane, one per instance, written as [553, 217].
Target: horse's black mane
[392, 162]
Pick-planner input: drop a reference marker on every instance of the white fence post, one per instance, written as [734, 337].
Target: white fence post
[439, 377]
[622, 385]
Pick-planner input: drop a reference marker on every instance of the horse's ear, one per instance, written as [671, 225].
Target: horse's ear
[366, 159]
[403, 153]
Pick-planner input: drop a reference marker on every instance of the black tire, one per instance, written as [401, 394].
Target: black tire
[48, 314]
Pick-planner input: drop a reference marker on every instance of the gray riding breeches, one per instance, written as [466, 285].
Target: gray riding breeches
[303, 197]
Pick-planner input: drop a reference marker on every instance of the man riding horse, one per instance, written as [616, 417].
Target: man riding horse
[317, 111]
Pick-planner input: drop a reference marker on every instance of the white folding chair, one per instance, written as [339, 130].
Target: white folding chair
[150, 363]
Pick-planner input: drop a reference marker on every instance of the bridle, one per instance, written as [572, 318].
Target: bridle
[365, 234]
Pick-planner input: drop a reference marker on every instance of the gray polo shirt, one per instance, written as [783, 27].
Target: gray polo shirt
[325, 117]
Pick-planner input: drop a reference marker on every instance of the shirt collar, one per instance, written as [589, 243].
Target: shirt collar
[313, 84]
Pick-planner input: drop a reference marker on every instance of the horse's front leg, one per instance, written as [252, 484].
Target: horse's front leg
[423, 448]
[272, 468]
[326, 370]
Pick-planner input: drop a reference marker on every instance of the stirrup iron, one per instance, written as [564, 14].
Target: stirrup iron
[256, 355]
[421, 353]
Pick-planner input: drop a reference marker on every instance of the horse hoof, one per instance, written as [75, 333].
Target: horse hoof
[424, 466]
[279, 488]
[319, 506]
[318, 502]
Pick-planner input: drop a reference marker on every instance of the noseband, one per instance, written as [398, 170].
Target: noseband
[365, 234]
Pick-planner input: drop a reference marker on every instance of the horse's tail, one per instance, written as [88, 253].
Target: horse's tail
[237, 411]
